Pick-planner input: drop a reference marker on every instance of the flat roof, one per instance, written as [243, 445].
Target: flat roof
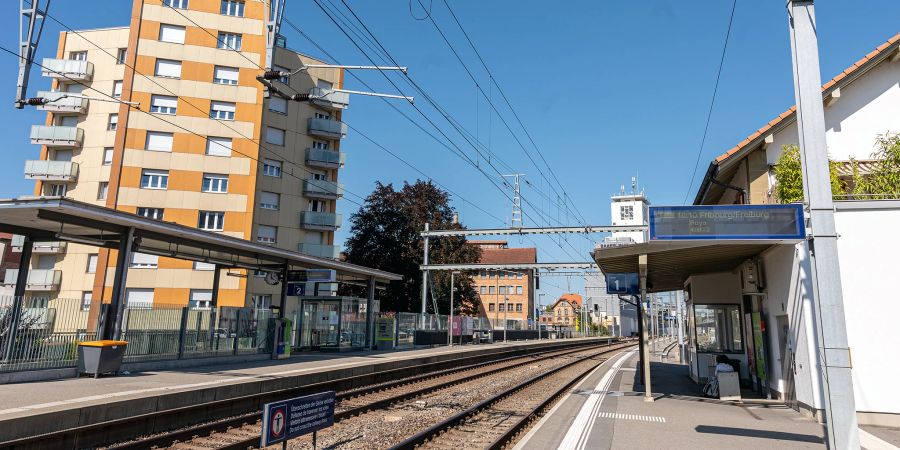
[49, 218]
[670, 263]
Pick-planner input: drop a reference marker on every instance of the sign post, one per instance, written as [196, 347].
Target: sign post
[288, 419]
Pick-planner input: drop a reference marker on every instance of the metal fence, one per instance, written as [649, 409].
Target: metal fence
[49, 331]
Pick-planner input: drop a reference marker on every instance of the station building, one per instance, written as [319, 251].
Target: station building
[507, 296]
[202, 146]
[751, 300]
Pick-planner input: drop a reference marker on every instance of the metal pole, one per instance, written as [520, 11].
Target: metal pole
[425, 274]
[833, 349]
[112, 326]
[642, 267]
[505, 320]
[214, 304]
[18, 297]
[370, 305]
[450, 322]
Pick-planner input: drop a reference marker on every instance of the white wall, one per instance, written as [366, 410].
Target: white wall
[867, 107]
[868, 247]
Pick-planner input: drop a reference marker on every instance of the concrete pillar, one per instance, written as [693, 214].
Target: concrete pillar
[370, 304]
[213, 305]
[115, 313]
[18, 297]
[642, 268]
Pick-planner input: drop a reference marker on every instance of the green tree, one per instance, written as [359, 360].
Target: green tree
[386, 234]
[884, 179]
[789, 176]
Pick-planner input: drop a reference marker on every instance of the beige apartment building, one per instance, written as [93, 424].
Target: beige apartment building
[505, 295]
[202, 147]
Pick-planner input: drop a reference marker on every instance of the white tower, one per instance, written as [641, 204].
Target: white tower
[629, 209]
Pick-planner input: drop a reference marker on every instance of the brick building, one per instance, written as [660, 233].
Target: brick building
[505, 295]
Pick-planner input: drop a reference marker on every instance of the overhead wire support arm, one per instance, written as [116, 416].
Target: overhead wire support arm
[31, 25]
[341, 66]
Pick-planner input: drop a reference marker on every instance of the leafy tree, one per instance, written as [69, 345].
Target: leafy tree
[386, 234]
[789, 176]
[884, 180]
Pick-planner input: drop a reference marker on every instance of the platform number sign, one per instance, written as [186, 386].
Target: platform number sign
[622, 284]
[296, 417]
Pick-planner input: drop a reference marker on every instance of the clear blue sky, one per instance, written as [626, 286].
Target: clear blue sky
[607, 89]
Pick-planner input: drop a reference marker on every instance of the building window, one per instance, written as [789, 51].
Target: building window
[151, 213]
[501, 307]
[718, 328]
[322, 116]
[144, 261]
[272, 168]
[520, 276]
[91, 263]
[200, 299]
[102, 190]
[139, 298]
[158, 141]
[519, 290]
[163, 104]
[502, 290]
[180, 4]
[491, 290]
[232, 8]
[86, 298]
[278, 105]
[121, 55]
[204, 266]
[269, 200]
[626, 212]
[491, 307]
[168, 68]
[171, 33]
[284, 79]
[211, 221]
[78, 56]
[107, 156]
[113, 122]
[154, 179]
[266, 234]
[225, 75]
[58, 190]
[261, 301]
[222, 110]
[229, 41]
[216, 183]
[117, 88]
[320, 145]
[518, 307]
[483, 290]
[218, 146]
[274, 136]
[316, 206]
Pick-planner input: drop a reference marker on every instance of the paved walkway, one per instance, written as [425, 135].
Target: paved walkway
[607, 410]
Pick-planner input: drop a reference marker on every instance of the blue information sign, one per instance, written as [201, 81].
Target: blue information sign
[736, 222]
[622, 284]
[296, 289]
[288, 419]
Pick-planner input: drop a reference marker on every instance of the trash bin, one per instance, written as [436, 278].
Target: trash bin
[96, 357]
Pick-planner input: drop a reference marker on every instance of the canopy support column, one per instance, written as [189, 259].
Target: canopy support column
[642, 273]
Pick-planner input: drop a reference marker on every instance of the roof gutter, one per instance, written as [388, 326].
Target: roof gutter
[711, 173]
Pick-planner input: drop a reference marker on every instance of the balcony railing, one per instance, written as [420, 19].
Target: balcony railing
[41, 169]
[38, 247]
[67, 69]
[56, 136]
[322, 189]
[320, 250]
[327, 128]
[38, 279]
[312, 220]
[328, 159]
[60, 102]
[329, 99]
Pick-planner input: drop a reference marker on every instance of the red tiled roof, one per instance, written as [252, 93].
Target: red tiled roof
[486, 242]
[572, 298]
[508, 255]
[790, 112]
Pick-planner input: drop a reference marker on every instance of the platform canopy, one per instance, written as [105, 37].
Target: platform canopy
[62, 219]
[670, 263]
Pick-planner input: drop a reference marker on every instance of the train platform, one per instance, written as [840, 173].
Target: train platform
[29, 409]
[607, 410]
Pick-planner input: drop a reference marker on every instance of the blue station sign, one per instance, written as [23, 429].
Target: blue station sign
[735, 222]
[288, 419]
[622, 284]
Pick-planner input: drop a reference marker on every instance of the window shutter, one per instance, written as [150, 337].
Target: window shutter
[217, 146]
[158, 141]
[143, 259]
[278, 105]
[227, 75]
[171, 33]
[139, 298]
[168, 68]
[274, 136]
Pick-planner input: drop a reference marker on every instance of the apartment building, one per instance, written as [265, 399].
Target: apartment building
[505, 295]
[564, 312]
[200, 144]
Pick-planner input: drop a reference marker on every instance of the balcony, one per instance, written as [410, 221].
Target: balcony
[52, 247]
[67, 69]
[61, 103]
[320, 250]
[56, 136]
[311, 220]
[38, 279]
[323, 189]
[45, 170]
[329, 99]
[326, 159]
[326, 128]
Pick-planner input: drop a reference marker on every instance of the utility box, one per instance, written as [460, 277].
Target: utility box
[281, 339]
[729, 386]
[385, 331]
[98, 357]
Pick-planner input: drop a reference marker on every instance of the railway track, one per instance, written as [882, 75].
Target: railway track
[377, 420]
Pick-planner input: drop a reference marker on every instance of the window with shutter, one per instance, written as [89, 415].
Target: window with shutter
[171, 33]
[159, 141]
[268, 200]
[274, 136]
[144, 261]
[266, 234]
[107, 156]
[168, 68]
[92, 263]
[216, 183]
[200, 299]
[222, 110]
[225, 75]
[139, 298]
[218, 146]
[278, 105]
[163, 104]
